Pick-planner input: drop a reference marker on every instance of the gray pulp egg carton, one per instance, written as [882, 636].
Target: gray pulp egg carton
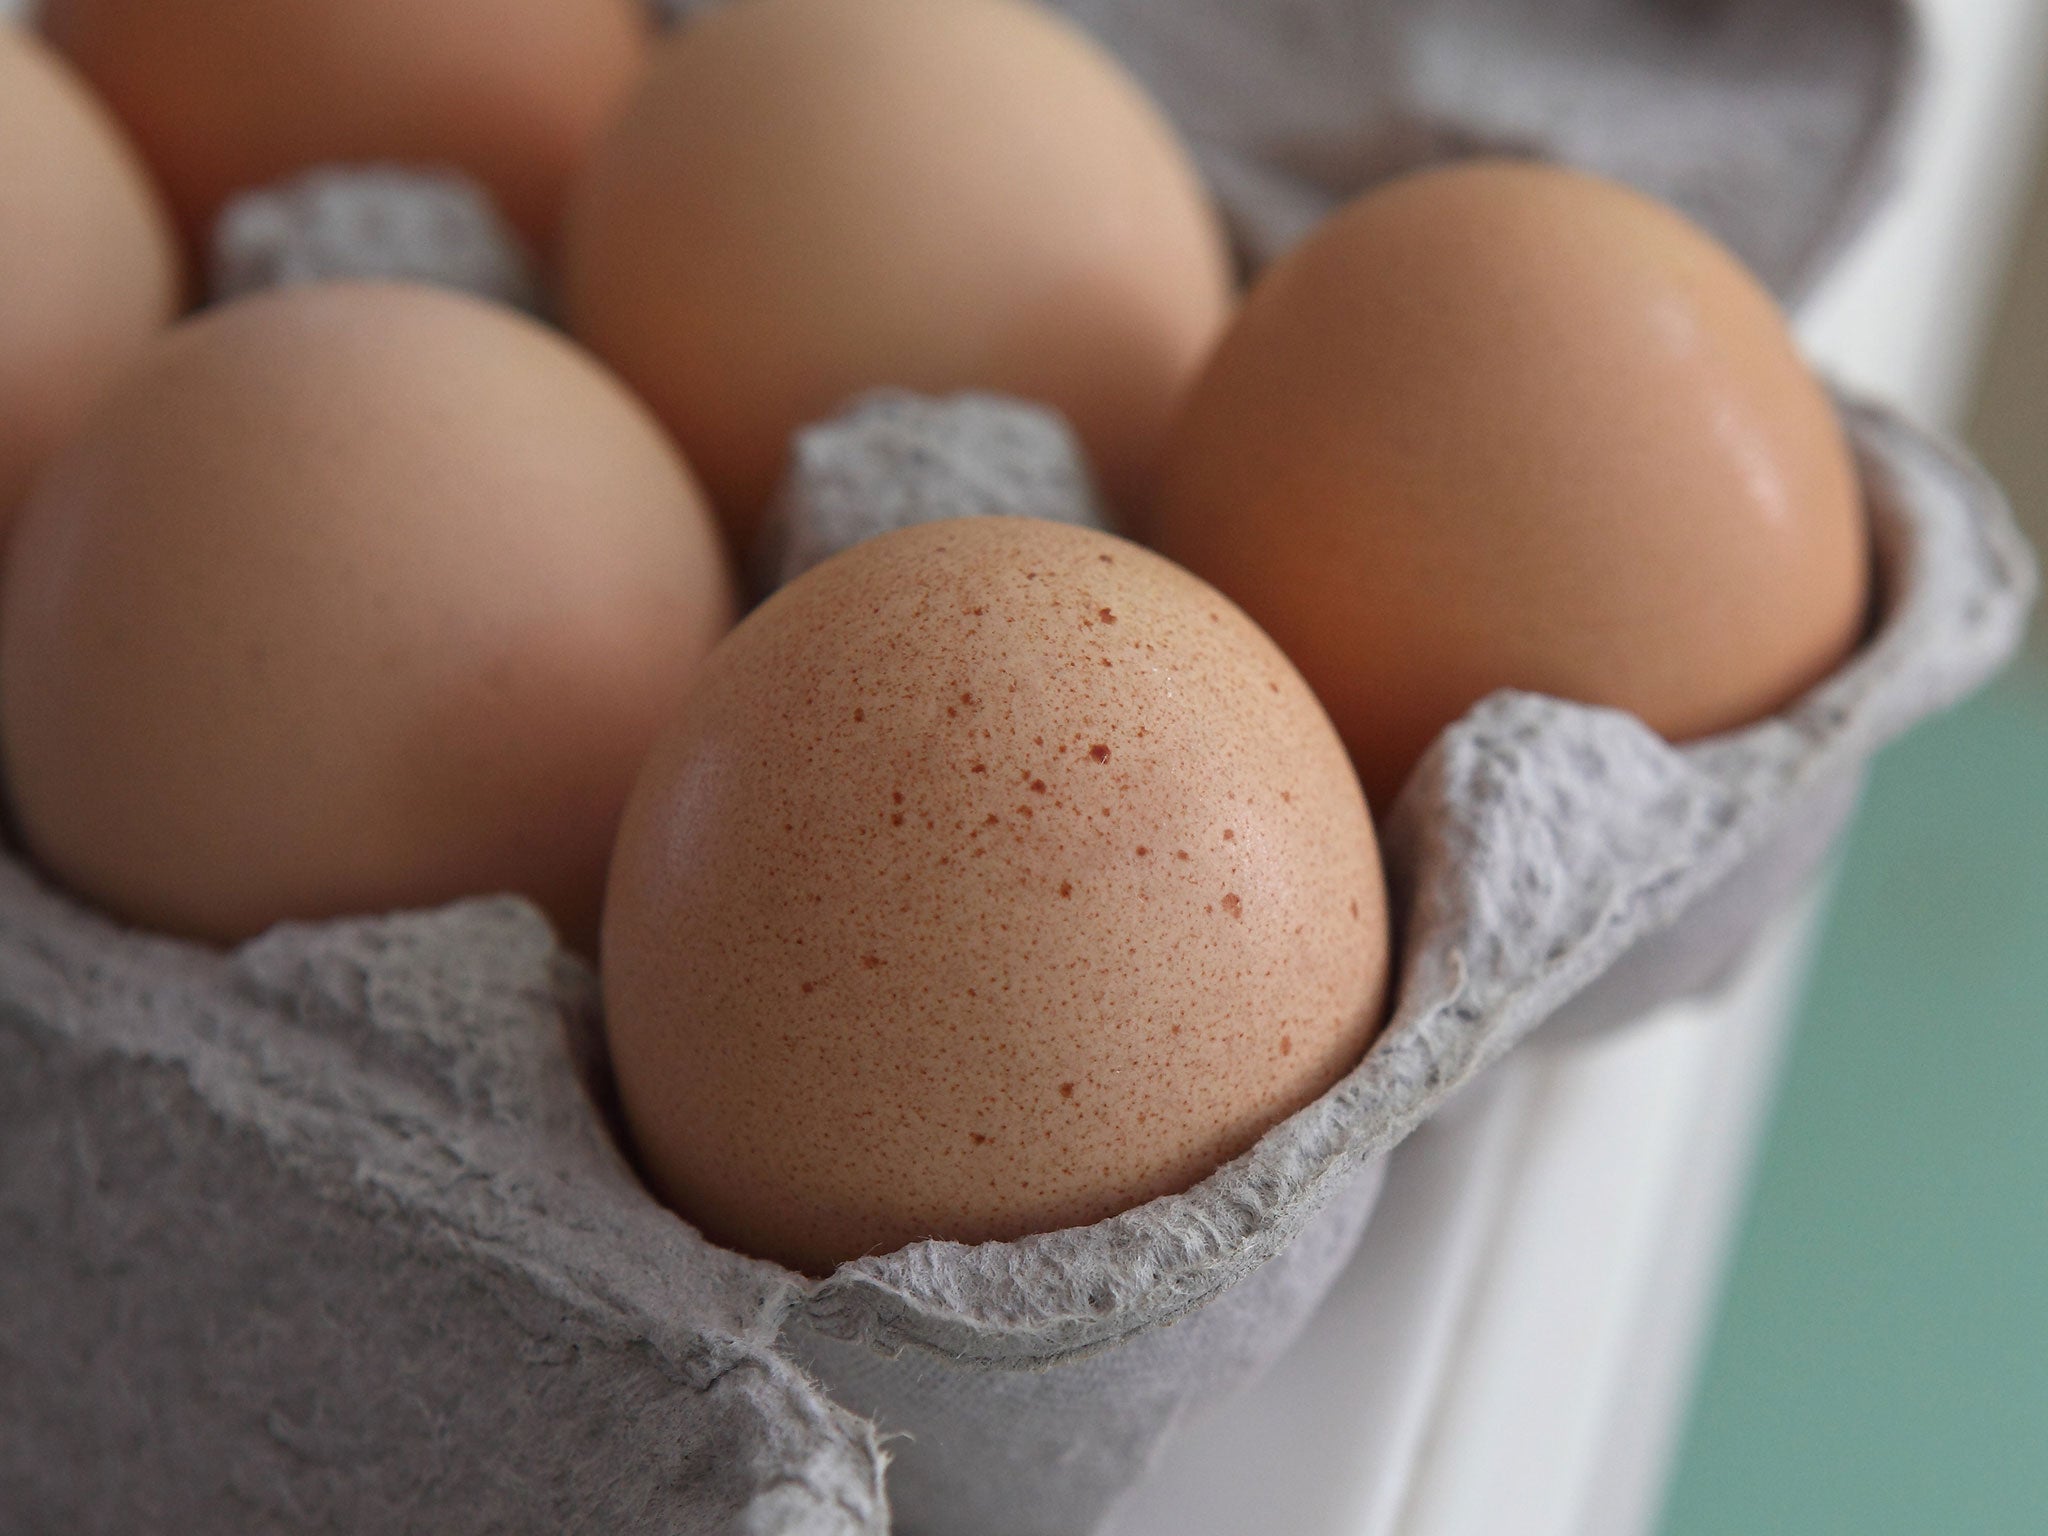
[334, 1232]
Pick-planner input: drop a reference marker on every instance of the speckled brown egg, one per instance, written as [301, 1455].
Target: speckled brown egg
[998, 876]
[89, 270]
[1505, 425]
[349, 598]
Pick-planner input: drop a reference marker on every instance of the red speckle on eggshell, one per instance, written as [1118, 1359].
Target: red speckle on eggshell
[996, 1004]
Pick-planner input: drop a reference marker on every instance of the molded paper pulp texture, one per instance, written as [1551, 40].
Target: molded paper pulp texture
[371, 222]
[331, 1233]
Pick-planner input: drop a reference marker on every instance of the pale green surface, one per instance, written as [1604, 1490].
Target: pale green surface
[1881, 1365]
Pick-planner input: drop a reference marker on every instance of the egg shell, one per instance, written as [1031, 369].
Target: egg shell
[351, 598]
[812, 198]
[89, 269]
[228, 95]
[1507, 425]
[998, 877]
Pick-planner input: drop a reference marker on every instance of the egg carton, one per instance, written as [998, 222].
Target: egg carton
[334, 1231]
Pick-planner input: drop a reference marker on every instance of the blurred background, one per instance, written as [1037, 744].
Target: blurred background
[1881, 1360]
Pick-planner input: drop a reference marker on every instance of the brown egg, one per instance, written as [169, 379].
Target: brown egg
[998, 877]
[88, 267]
[1504, 425]
[351, 598]
[225, 95]
[810, 198]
